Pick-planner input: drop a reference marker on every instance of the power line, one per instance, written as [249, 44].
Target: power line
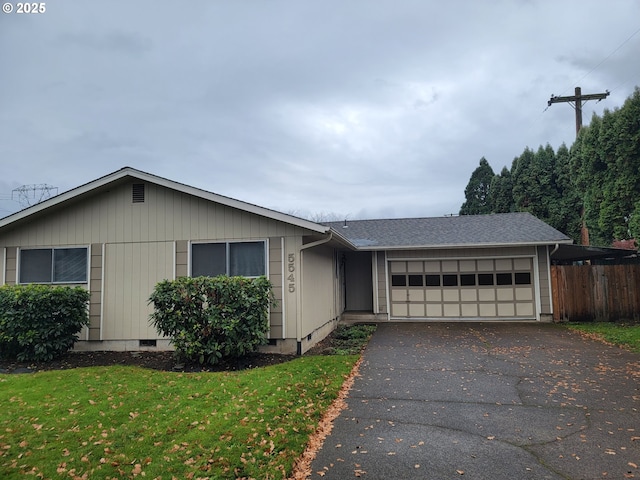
[604, 60]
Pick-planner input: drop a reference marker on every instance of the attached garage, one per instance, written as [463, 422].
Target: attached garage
[480, 267]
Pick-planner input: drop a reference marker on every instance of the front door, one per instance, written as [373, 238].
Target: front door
[358, 281]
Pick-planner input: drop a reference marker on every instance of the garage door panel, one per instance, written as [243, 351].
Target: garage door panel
[524, 294]
[469, 309]
[524, 309]
[485, 265]
[433, 295]
[434, 310]
[398, 267]
[451, 309]
[432, 267]
[417, 267]
[486, 295]
[416, 295]
[449, 266]
[506, 310]
[416, 310]
[399, 310]
[451, 296]
[504, 294]
[487, 310]
[504, 264]
[467, 265]
[469, 295]
[398, 295]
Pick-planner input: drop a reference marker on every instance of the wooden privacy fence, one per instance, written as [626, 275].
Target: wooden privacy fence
[601, 293]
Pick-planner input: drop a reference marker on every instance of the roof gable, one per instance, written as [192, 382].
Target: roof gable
[128, 172]
[506, 229]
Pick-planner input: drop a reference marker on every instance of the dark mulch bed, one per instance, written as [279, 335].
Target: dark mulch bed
[155, 360]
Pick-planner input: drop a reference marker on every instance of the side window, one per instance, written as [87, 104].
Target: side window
[53, 265]
[246, 259]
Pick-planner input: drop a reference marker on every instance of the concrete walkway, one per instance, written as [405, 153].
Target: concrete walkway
[487, 401]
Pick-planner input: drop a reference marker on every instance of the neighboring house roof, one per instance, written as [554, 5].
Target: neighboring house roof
[181, 187]
[504, 229]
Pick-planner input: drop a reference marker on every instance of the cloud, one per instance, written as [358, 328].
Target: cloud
[364, 108]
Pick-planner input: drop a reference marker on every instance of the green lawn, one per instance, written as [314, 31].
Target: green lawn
[125, 422]
[627, 336]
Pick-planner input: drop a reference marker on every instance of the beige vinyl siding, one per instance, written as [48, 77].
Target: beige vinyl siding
[318, 306]
[95, 289]
[3, 271]
[11, 267]
[545, 281]
[109, 216]
[276, 329]
[182, 258]
[131, 272]
[381, 281]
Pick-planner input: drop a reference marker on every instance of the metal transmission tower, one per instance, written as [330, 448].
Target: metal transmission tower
[28, 195]
[576, 102]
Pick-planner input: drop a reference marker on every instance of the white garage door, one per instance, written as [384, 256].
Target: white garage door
[499, 288]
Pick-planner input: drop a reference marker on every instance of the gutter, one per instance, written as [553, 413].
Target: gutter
[300, 286]
[461, 245]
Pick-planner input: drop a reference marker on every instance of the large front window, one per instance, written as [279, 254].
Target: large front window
[53, 265]
[245, 259]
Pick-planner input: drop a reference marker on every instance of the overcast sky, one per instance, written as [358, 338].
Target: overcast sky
[358, 108]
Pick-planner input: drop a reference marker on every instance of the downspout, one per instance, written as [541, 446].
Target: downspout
[300, 286]
[555, 249]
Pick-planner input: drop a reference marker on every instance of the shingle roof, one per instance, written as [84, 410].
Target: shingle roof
[519, 228]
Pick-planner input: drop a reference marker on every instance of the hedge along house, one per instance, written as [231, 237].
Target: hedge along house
[119, 235]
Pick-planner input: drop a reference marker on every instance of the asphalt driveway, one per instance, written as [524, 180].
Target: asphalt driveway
[487, 401]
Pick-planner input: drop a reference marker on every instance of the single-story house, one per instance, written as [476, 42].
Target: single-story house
[119, 235]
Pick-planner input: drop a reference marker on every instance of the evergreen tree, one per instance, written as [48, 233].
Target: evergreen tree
[590, 172]
[522, 177]
[500, 193]
[564, 213]
[620, 146]
[477, 191]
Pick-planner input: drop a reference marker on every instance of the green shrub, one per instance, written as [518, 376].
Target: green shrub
[209, 318]
[351, 339]
[39, 322]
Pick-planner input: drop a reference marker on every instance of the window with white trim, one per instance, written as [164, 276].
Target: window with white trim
[53, 265]
[245, 259]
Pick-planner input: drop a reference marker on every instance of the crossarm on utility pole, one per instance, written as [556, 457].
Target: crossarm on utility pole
[577, 100]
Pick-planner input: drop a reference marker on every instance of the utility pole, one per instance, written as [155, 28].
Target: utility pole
[576, 102]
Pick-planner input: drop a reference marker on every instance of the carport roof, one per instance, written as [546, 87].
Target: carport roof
[503, 229]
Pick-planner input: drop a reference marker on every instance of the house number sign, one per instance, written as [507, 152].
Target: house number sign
[291, 268]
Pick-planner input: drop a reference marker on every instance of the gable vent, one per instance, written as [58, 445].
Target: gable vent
[137, 193]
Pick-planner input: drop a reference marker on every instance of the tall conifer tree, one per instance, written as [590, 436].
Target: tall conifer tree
[477, 191]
